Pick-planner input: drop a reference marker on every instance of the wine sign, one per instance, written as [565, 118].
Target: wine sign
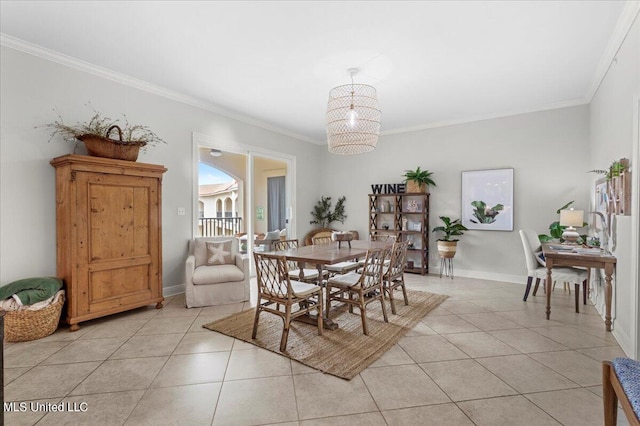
[389, 188]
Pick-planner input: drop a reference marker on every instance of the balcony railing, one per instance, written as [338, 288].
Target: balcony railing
[216, 226]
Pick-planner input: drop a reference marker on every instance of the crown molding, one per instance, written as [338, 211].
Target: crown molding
[69, 61]
[623, 26]
[557, 105]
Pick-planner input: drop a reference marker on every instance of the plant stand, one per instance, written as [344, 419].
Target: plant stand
[446, 264]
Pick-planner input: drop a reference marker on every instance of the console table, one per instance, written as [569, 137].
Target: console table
[567, 258]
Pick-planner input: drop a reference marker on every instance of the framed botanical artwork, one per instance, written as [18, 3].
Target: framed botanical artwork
[487, 199]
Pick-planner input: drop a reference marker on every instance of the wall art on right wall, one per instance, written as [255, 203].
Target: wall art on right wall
[487, 199]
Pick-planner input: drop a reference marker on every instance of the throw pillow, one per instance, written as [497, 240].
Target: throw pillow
[540, 258]
[219, 253]
[273, 235]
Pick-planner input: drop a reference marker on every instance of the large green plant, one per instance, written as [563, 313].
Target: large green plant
[323, 215]
[450, 228]
[419, 176]
[556, 230]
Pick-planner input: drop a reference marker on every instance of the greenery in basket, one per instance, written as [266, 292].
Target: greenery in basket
[451, 228]
[323, 215]
[419, 176]
[99, 125]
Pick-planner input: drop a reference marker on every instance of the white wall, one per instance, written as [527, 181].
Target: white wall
[31, 87]
[612, 137]
[548, 150]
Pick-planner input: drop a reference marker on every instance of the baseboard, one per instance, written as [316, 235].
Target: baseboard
[483, 275]
[173, 290]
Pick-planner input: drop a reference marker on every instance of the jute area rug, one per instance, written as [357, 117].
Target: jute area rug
[344, 352]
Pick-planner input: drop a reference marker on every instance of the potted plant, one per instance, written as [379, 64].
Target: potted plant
[323, 215]
[418, 180]
[96, 135]
[615, 169]
[447, 246]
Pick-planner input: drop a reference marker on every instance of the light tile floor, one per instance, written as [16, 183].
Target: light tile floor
[483, 357]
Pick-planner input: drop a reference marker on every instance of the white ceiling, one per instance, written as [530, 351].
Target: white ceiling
[432, 62]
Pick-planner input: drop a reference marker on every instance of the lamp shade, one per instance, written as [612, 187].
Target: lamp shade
[353, 119]
[571, 217]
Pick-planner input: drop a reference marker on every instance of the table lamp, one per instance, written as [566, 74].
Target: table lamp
[571, 218]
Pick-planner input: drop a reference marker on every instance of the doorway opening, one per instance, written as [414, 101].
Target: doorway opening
[242, 192]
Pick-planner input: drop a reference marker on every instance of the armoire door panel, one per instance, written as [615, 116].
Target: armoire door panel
[119, 282]
[118, 221]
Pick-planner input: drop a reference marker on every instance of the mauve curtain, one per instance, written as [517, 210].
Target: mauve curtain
[275, 203]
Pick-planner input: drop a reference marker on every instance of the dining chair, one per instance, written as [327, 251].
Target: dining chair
[621, 382]
[379, 237]
[360, 289]
[393, 276]
[536, 268]
[383, 237]
[276, 287]
[336, 268]
[309, 275]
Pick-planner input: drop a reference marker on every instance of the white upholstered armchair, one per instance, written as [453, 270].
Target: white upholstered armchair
[215, 272]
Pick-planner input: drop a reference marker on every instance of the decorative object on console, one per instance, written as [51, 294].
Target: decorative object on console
[96, 132]
[418, 181]
[484, 188]
[571, 218]
[341, 236]
[353, 118]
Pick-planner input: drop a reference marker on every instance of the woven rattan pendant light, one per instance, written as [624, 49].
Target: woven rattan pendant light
[353, 118]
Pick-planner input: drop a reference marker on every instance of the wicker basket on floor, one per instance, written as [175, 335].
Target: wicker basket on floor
[22, 326]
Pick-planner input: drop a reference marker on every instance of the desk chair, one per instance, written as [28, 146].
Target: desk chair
[536, 268]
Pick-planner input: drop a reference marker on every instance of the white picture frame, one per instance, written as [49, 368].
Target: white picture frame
[487, 199]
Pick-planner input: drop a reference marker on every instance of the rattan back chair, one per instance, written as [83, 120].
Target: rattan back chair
[321, 241]
[383, 237]
[360, 289]
[336, 268]
[394, 273]
[307, 275]
[276, 288]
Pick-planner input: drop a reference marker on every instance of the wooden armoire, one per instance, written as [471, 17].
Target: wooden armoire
[109, 235]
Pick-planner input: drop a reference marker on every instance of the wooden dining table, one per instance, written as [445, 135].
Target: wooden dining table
[328, 254]
[557, 255]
